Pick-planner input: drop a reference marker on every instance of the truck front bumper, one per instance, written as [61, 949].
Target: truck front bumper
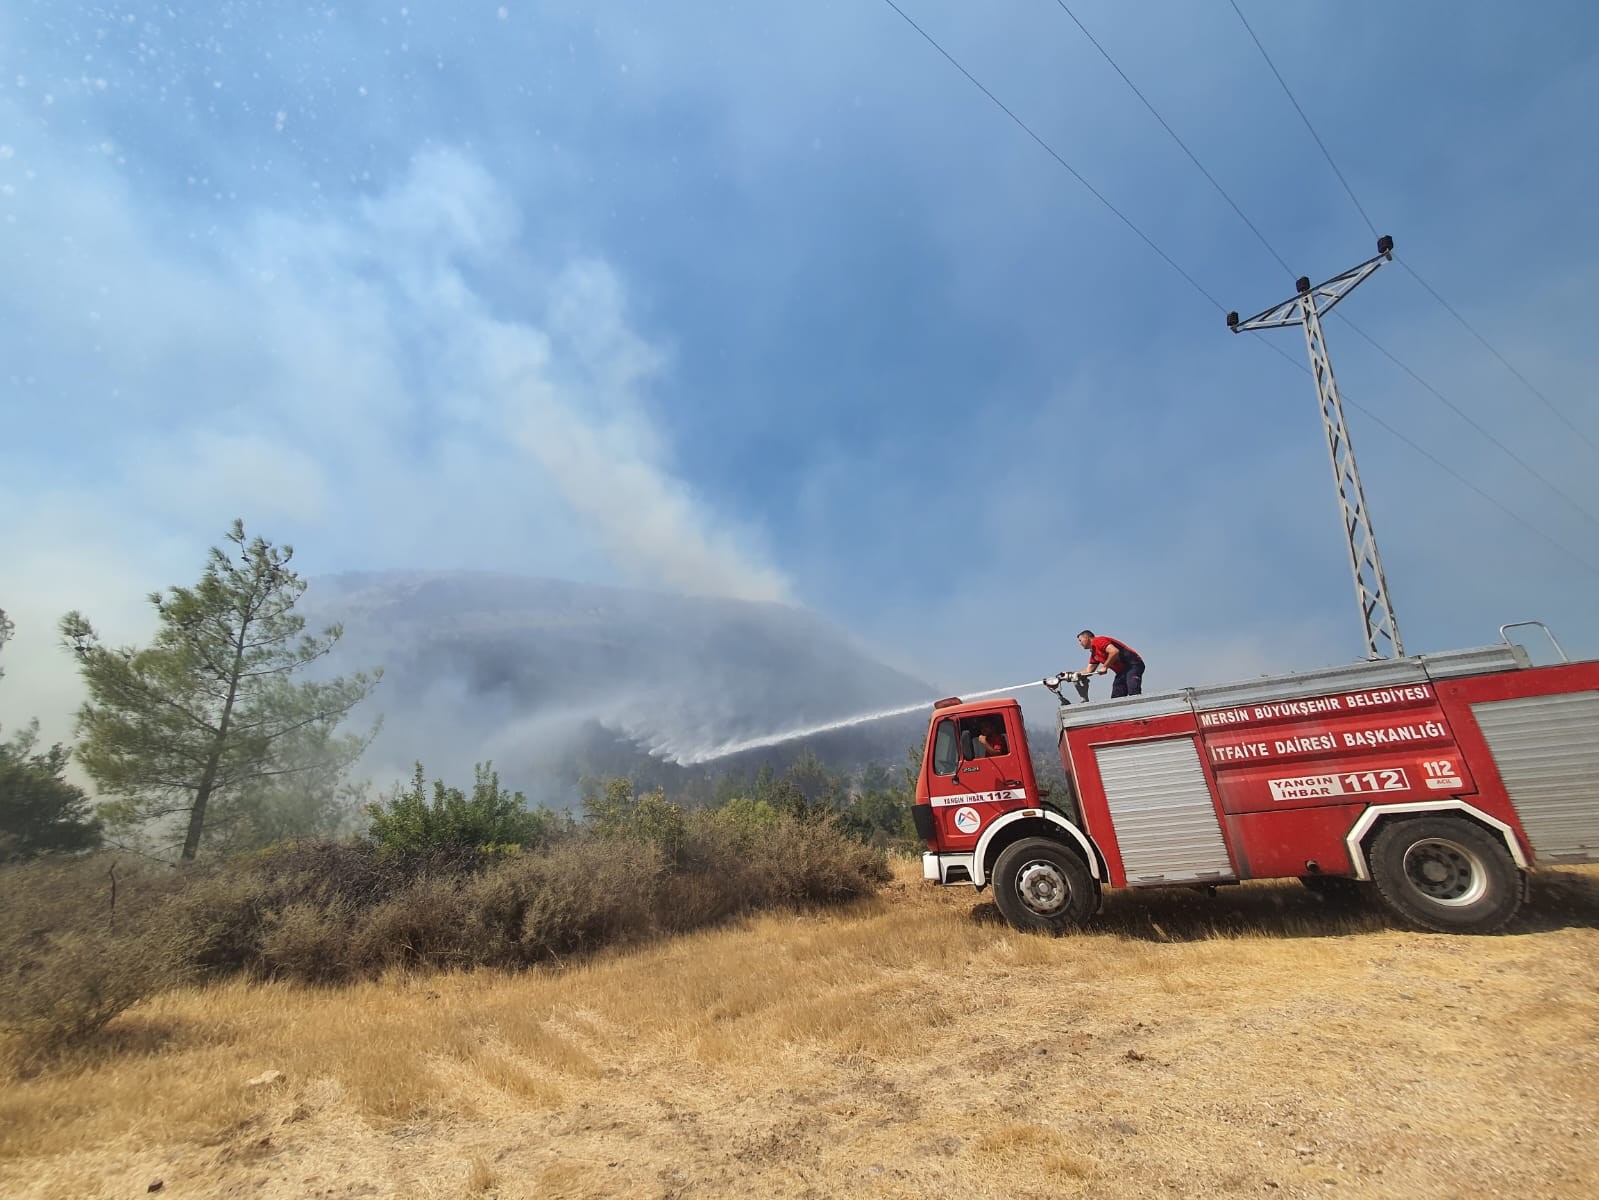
[947, 868]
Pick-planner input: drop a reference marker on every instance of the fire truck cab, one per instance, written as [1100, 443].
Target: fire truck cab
[1435, 781]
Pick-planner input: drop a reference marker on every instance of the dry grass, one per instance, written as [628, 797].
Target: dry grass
[1254, 1044]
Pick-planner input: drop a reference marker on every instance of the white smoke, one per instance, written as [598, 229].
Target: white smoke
[380, 408]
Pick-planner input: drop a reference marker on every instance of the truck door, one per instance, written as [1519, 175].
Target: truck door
[975, 775]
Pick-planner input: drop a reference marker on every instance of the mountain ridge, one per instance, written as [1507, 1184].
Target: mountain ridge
[547, 677]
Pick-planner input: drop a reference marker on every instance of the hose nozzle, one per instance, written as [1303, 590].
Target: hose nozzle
[1078, 679]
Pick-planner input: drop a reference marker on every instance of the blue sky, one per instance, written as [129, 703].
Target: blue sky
[768, 301]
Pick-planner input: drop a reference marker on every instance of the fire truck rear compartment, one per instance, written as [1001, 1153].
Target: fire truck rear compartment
[1164, 815]
[1547, 755]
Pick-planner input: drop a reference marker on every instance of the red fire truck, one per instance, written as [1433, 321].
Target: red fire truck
[1436, 781]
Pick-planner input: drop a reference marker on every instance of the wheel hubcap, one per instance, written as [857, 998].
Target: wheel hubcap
[1042, 887]
[1446, 872]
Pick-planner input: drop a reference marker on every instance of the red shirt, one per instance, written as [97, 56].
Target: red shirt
[1126, 654]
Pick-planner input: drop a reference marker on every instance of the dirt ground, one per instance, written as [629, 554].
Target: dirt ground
[1257, 1043]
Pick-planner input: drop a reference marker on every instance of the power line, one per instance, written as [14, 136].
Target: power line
[1432, 291]
[1325, 153]
[1547, 403]
[1390, 355]
[1192, 157]
[1452, 407]
[1192, 282]
[1050, 150]
[1437, 462]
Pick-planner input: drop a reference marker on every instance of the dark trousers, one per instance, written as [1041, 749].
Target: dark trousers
[1129, 682]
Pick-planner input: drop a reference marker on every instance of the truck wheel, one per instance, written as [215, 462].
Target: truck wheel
[1041, 885]
[1446, 874]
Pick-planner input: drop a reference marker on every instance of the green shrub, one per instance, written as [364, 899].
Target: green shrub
[657, 822]
[408, 823]
[745, 821]
[651, 819]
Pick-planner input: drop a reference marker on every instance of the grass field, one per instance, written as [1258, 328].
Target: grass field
[1253, 1044]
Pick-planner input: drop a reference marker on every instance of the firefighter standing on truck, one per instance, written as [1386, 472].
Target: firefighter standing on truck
[1108, 654]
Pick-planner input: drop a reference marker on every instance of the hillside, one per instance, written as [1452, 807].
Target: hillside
[554, 680]
[1254, 1044]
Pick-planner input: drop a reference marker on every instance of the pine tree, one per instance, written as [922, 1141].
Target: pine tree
[211, 707]
[40, 811]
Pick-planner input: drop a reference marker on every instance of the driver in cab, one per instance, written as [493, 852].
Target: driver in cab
[990, 740]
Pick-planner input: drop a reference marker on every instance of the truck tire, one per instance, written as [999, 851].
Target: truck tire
[1446, 874]
[1041, 885]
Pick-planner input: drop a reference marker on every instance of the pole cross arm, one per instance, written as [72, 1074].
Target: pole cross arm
[1325, 294]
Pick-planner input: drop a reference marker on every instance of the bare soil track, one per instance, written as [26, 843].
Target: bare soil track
[1258, 1043]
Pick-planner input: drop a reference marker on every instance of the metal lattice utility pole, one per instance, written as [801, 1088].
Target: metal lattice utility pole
[1306, 309]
